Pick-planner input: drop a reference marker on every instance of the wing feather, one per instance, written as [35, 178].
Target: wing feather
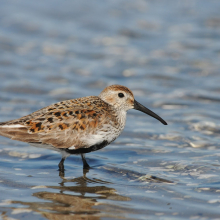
[63, 125]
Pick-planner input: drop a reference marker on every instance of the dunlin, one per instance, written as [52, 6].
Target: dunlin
[77, 126]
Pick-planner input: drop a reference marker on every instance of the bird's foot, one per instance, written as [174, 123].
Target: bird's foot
[61, 174]
[86, 166]
[61, 166]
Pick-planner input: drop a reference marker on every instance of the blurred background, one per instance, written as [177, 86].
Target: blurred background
[167, 52]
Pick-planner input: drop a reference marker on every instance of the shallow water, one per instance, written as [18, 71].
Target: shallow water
[167, 53]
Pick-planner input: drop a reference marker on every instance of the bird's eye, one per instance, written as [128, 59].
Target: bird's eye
[120, 95]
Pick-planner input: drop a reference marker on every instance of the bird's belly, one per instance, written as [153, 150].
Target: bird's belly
[87, 149]
[99, 137]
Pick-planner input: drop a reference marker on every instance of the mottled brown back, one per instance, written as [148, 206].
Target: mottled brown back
[63, 124]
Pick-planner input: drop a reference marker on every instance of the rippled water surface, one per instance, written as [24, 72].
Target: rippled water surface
[168, 54]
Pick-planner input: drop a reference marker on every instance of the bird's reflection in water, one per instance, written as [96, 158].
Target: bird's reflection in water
[83, 180]
[74, 202]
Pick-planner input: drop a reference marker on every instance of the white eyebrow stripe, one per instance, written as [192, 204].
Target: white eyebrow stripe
[12, 126]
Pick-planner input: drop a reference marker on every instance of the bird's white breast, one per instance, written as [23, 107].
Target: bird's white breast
[108, 132]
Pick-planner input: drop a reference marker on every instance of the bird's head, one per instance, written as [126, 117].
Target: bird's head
[122, 98]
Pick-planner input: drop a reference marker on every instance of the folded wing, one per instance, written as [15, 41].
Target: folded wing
[63, 125]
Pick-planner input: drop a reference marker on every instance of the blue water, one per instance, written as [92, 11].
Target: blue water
[167, 53]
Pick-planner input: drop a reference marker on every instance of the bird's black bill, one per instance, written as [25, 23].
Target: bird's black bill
[142, 108]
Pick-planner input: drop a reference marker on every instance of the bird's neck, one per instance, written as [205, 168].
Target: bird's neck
[121, 116]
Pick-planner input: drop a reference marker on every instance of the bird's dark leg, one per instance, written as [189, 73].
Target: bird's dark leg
[61, 165]
[85, 164]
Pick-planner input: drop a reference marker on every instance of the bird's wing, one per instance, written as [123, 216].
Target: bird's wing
[66, 124]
